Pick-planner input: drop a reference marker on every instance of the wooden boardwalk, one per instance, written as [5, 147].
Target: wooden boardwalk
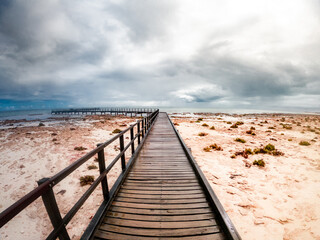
[161, 197]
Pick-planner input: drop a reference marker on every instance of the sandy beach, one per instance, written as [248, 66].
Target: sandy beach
[277, 201]
[30, 152]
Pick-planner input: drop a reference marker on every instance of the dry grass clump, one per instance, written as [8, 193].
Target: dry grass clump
[268, 149]
[245, 153]
[205, 125]
[117, 130]
[202, 134]
[92, 167]
[304, 143]
[80, 148]
[207, 149]
[259, 163]
[216, 147]
[86, 180]
[241, 140]
[229, 122]
[234, 126]
[252, 128]
[286, 126]
[271, 128]
[290, 139]
[200, 119]
[212, 128]
[251, 132]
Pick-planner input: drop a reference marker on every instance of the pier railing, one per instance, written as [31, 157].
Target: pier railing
[45, 188]
[101, 111]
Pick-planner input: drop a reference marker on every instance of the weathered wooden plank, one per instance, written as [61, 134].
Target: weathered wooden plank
[160, 206]
[159, 224]
[161, 201]
[120, 236]
[161, 211]
[161, 232]
[156, 218]
[154, 196]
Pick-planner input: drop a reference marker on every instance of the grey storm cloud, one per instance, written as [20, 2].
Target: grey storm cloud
[161, 53]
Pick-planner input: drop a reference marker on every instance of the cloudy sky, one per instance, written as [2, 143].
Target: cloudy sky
[245, 54]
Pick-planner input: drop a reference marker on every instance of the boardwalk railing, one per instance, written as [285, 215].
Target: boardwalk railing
[45, 188]
[101, 111]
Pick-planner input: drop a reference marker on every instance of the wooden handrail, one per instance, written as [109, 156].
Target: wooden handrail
[47, 185]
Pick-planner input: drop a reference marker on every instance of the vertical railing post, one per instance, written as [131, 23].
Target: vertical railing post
[102, 168]
[138, 130]
[132, 144]
[142, 128]
[53, 211]
[123, 157]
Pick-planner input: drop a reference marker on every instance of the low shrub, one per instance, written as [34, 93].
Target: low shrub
[207, 149]
[117, 130]
[259, 163]
[86, 180]
[205, 125]
[240, 140]
[212, 128]
[92, 167]
[80, 148]
[202, 134]
[216, 147]
[304, 143]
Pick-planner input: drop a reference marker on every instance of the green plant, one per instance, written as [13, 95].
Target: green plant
[233, 156]
[248, 151]
[117, 130]
[216, 147]
[259, 163]
[202, 134]
[269, 147]
[80, 148]
[207, 149]
[86, 180]
[304, 143]
[92, 167]
[240, 140]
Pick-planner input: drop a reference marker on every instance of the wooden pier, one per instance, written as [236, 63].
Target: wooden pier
[161, 197]
[160, 194]
[102, 111]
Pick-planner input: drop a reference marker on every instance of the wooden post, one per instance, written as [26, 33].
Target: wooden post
[132, 144]
[53, 211]
[102, 167]
[123, 157]
[142, 128]
[138, 133]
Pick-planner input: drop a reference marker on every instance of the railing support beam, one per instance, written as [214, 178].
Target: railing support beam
[102, 168]
[53, 211]
[123, 157]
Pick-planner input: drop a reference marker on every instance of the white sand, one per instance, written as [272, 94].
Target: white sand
[28, 153]
[279, 201]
